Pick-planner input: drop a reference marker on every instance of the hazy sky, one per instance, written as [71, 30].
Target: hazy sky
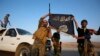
[26, 13]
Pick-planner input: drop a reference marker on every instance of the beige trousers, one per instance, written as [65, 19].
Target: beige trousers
[38, 48]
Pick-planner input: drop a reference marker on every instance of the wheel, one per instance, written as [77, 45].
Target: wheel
[23, 50]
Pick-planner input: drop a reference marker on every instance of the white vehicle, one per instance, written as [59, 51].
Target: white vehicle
[16, 40]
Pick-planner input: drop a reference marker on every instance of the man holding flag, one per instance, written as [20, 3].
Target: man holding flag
[40, 37]
[83, 35]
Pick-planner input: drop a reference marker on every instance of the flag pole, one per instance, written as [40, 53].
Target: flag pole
[49, 12]
[49, 8]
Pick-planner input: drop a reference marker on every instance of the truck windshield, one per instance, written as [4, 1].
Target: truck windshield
[2, 31]
[23, 32]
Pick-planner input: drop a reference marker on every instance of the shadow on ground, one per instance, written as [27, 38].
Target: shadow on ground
[64, 53]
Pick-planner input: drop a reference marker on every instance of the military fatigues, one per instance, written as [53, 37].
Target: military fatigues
[38, 48]
[56, 44]
[81, 42]
[39, 42]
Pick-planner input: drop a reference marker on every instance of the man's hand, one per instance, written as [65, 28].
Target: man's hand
[78, 37]
[9, 23]
[43, 17]
[74, 36]
[49, 27]
[73, 18]
[92, 31]
[81, 37]
[50, 14]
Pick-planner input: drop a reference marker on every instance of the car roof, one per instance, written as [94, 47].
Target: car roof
[8, 28]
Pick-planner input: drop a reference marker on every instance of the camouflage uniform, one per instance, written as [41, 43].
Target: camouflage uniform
[38, 47]
[57, 49]
[56, 44]
[88, 49]
[40, 35]
[81, 42]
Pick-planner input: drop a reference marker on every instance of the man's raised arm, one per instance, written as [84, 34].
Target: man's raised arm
[76, 24]
[41, 19]
[9, 23]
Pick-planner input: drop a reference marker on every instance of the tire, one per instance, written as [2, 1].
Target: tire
[23, 50]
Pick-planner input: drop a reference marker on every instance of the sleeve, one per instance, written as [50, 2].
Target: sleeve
[49, 33]
[40, 21]
[53, 37]
[34, 37]
[78, 29]
[90, 31]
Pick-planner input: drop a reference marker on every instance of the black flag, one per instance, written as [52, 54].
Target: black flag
[62, 21]
[98, 32]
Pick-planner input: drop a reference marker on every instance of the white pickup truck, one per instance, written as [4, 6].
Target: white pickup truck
[16, 40]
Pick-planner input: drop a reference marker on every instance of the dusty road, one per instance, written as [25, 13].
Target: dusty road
[64, 53]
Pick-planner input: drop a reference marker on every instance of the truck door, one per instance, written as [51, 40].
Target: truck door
[1, 37]
[9, 40]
